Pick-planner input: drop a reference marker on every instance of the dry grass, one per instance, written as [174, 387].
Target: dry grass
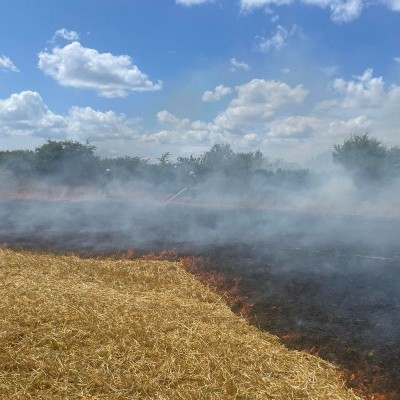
[109, 329]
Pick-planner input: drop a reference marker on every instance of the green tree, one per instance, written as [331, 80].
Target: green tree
[250, 162]
[19, 162]
[68, 161]
[125, 168]
[218, 159]
[393, 162]
[363, 156]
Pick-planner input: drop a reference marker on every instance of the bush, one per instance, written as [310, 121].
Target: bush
[363, 156]
[67, 161]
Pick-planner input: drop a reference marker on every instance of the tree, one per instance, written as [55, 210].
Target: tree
[246, 163]
[218, 159]
[19, 162]
[393, 162]
[126, 167]
[363, 156]
[164, 159]
[69, 161]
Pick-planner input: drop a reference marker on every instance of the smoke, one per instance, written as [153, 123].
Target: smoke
[164, 204]
[320, 241]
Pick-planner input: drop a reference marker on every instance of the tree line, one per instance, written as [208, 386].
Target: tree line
[75, 163]
[364, 157]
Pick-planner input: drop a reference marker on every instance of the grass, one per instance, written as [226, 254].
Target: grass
[73, 328]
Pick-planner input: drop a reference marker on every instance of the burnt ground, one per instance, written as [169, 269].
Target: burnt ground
[326, 283]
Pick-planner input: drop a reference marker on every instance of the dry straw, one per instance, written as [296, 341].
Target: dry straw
[119, 329]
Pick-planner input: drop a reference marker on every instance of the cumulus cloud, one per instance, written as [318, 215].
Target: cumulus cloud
[368, 98]
[189, 3]
[66, 34]
[238, 65]
[266, 114]
[165, 117]
[85, 68]
[217, 94]
[26, 114]
[7, 64]
[341, 10]
[263, 115]
[181, 131]
[364, 91]
[276, 41]
[256, 102]
[296, 126]
[85, 122]
[301, 127]
[365, 95]
[178, 137]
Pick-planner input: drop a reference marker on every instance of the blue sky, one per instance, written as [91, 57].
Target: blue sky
[139, 77]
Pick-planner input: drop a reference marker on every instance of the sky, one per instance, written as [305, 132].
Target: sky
[144, 77]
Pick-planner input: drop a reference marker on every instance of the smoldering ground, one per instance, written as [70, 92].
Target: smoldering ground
[320, 258]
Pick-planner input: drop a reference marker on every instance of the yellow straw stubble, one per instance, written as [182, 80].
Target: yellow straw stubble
[72, 328]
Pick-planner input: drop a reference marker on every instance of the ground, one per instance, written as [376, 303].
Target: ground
[327, 283]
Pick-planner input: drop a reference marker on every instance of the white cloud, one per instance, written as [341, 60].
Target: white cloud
[178, 137]
[249, 5]
[66, 34]
[397, 59]
[264, 115]
[237, 65]
[294, 126]
[369, 97]
[7, 64]
[341, 10]
[277, 40]
[217, 94]
[165, 117]
[189, 3]
[393, 5]
[85, 122]
[364, 91]
[182, 132]
[84, 68]
[302, 127]
[256, 102]
[26, 114]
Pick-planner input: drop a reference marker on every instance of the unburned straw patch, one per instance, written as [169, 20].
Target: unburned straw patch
[142, 329]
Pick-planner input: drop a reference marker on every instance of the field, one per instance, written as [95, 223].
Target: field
[143, 329]
[323, 283]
